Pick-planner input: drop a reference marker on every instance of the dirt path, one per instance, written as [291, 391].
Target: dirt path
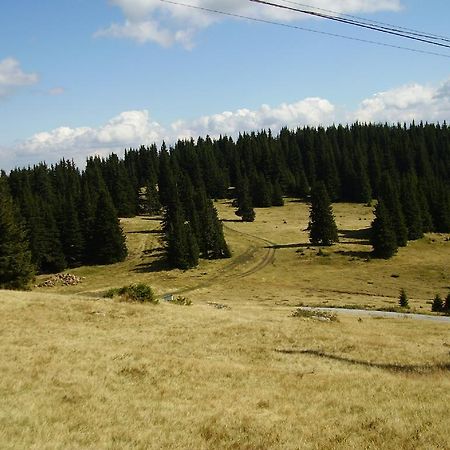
[386, 314]
[231, 271]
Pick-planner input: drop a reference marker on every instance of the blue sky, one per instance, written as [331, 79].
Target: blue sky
[79, 77]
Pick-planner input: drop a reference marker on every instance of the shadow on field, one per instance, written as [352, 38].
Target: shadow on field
[361, 236]
[355, 254]
[145, 232]
[397, 368]
[300, 245]
[232, 220]
[158, 265]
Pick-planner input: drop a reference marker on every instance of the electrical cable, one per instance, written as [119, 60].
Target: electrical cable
[351, 22]
[382, 24]
[296, 27]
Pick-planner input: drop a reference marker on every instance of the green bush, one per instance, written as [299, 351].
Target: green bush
[140, 292]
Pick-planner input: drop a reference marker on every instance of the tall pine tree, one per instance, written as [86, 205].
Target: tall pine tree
[322, 227]
[16, 269]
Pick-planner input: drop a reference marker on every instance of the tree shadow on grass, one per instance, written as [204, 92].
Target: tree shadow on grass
[363, 254]
[145, 232]
[396, 368]
[232, 220]
[295, 245]
[154, 252]
[361, 236]
[158, 265]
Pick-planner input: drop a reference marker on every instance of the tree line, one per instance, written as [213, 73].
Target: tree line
[63, 217]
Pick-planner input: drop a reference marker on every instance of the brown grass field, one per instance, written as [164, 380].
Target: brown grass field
[80, 371]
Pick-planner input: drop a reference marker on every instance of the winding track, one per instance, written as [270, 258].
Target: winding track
[228, 272]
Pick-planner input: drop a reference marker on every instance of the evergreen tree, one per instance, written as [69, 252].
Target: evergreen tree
[46, 244]
[211, 239]
[261, 192]
[438, 304]
[277, 195]
[107, 245]
[16, 269]
[181, 245]
[411, 208]
[151, 203]
[72, 239]
[383, 237]
[322, 227]
[447, 304]
[244, 203]
[390, 197]
[403, 299]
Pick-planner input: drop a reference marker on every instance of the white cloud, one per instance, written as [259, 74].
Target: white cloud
[134, 128]
[407, 103]
[128, 129]
[13, 77]
[311, 111]
[167, 24]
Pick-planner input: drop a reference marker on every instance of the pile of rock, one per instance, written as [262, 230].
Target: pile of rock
[61, 279]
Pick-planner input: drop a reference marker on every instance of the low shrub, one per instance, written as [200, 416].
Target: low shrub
[140, 292]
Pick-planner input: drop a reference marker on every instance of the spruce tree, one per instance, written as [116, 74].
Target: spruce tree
[438, 304]
[383, 236]
[211, 238]
[72, 239]
[390, 197]
[277, 195]
[403, 299]
[411, 208]
[16, 269]
[244, 203]
[181, 244]
[152, 204]
[447, 304]
[322, 227]
[107, 245]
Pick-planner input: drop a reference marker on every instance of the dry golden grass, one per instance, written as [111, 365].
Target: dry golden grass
[85, 372]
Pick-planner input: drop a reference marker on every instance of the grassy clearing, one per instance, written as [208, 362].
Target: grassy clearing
[238, 369]
[102, 374]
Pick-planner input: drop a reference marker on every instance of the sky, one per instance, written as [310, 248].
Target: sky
[84, 77]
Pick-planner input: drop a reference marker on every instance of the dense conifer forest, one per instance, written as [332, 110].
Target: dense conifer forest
[59, 216]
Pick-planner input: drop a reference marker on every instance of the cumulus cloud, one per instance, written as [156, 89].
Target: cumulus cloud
[134, 128]
[128, 129]
[407, 103]
[311, 111]
[166, 24]
[13, 77]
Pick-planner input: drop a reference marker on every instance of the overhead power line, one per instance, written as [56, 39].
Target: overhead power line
[296, 27]
[386, 30]
[382, 24]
